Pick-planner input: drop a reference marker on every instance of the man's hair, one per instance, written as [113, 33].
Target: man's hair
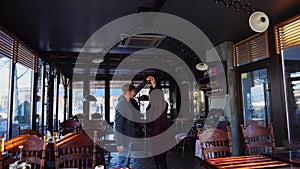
[127, 88]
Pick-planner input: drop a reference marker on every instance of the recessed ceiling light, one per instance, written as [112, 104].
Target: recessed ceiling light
[98, 60]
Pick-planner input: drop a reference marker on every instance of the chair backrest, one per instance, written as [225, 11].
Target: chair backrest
[97, 116]
[2, 145]
[214, 143]
[28, 131]
[89, 126]
[258, 139]
[68, 126]
[77, 150]
[33, 151]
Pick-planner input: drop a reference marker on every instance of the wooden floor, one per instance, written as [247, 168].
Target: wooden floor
[174, 161]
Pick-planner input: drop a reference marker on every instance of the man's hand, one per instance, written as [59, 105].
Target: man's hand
[120, 149]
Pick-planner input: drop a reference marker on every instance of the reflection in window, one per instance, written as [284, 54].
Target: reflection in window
[47, 70]
[77, 96]
[39, 95]
[61, 101]
[291, 61]
[115, 93]
[167, 98]
[143, 103]
[55, 103]
[255, 97]
[22, 98]
[98, 107]
[5, 68]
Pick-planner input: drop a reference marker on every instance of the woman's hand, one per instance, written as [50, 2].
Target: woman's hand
[151, 80]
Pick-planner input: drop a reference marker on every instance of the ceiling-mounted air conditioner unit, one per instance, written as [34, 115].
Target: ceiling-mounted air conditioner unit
[141, 41]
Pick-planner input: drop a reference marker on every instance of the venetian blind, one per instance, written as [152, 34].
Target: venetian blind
[287, 34]
[251, 49]
[6, 45]
[26, 57]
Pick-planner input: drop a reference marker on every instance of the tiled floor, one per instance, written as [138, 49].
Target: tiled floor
[174, 161]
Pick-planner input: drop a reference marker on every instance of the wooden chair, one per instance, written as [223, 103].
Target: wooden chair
[77, 150]
[68, 126]
[28, 131]
[92, 125]
[258, 139]
[97, 116]
[215, 143]
[33, 151]
[89, 126]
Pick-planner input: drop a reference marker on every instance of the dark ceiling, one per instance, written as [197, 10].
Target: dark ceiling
[58, 29]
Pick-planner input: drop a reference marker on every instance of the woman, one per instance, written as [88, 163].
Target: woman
[157, 115]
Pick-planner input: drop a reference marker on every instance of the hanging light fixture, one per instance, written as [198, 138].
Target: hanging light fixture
[98, 60]
[89, 98]
[259, 21]
[201, 66]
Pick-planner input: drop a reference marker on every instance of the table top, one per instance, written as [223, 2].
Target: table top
[249, 162]
[286, 155]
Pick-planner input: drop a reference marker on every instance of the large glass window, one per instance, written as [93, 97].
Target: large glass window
[256, 106]
[22, 98]
[115, 93]
[5, 71]
[61, 101]
[291, 64]
[55, 102]
[97, 89]
[39, 96]
[143, 103]
[46, 74]
[77, 96]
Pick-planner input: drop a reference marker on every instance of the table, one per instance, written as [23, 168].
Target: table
[286, 155]
[249, 162]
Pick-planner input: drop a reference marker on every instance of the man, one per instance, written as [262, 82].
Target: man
[124, 126]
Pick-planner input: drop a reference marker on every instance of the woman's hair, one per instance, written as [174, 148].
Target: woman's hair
[157, 104]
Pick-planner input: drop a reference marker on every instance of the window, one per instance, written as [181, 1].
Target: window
[6, 55]
[115, 93]
[97, 89]
[5, 71]
[22, 98]
[25, 62]
[256, 106]
[291, 63]
[39, 96]
[77, 96]
[287, 35]
[61, 101]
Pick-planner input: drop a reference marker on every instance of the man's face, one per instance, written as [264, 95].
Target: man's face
[131, 94]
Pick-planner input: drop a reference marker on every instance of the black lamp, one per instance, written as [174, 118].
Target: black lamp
[89, 98]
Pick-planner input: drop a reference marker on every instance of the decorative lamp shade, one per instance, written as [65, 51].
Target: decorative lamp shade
[259, 21]
[89, 98]
[201, 66]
